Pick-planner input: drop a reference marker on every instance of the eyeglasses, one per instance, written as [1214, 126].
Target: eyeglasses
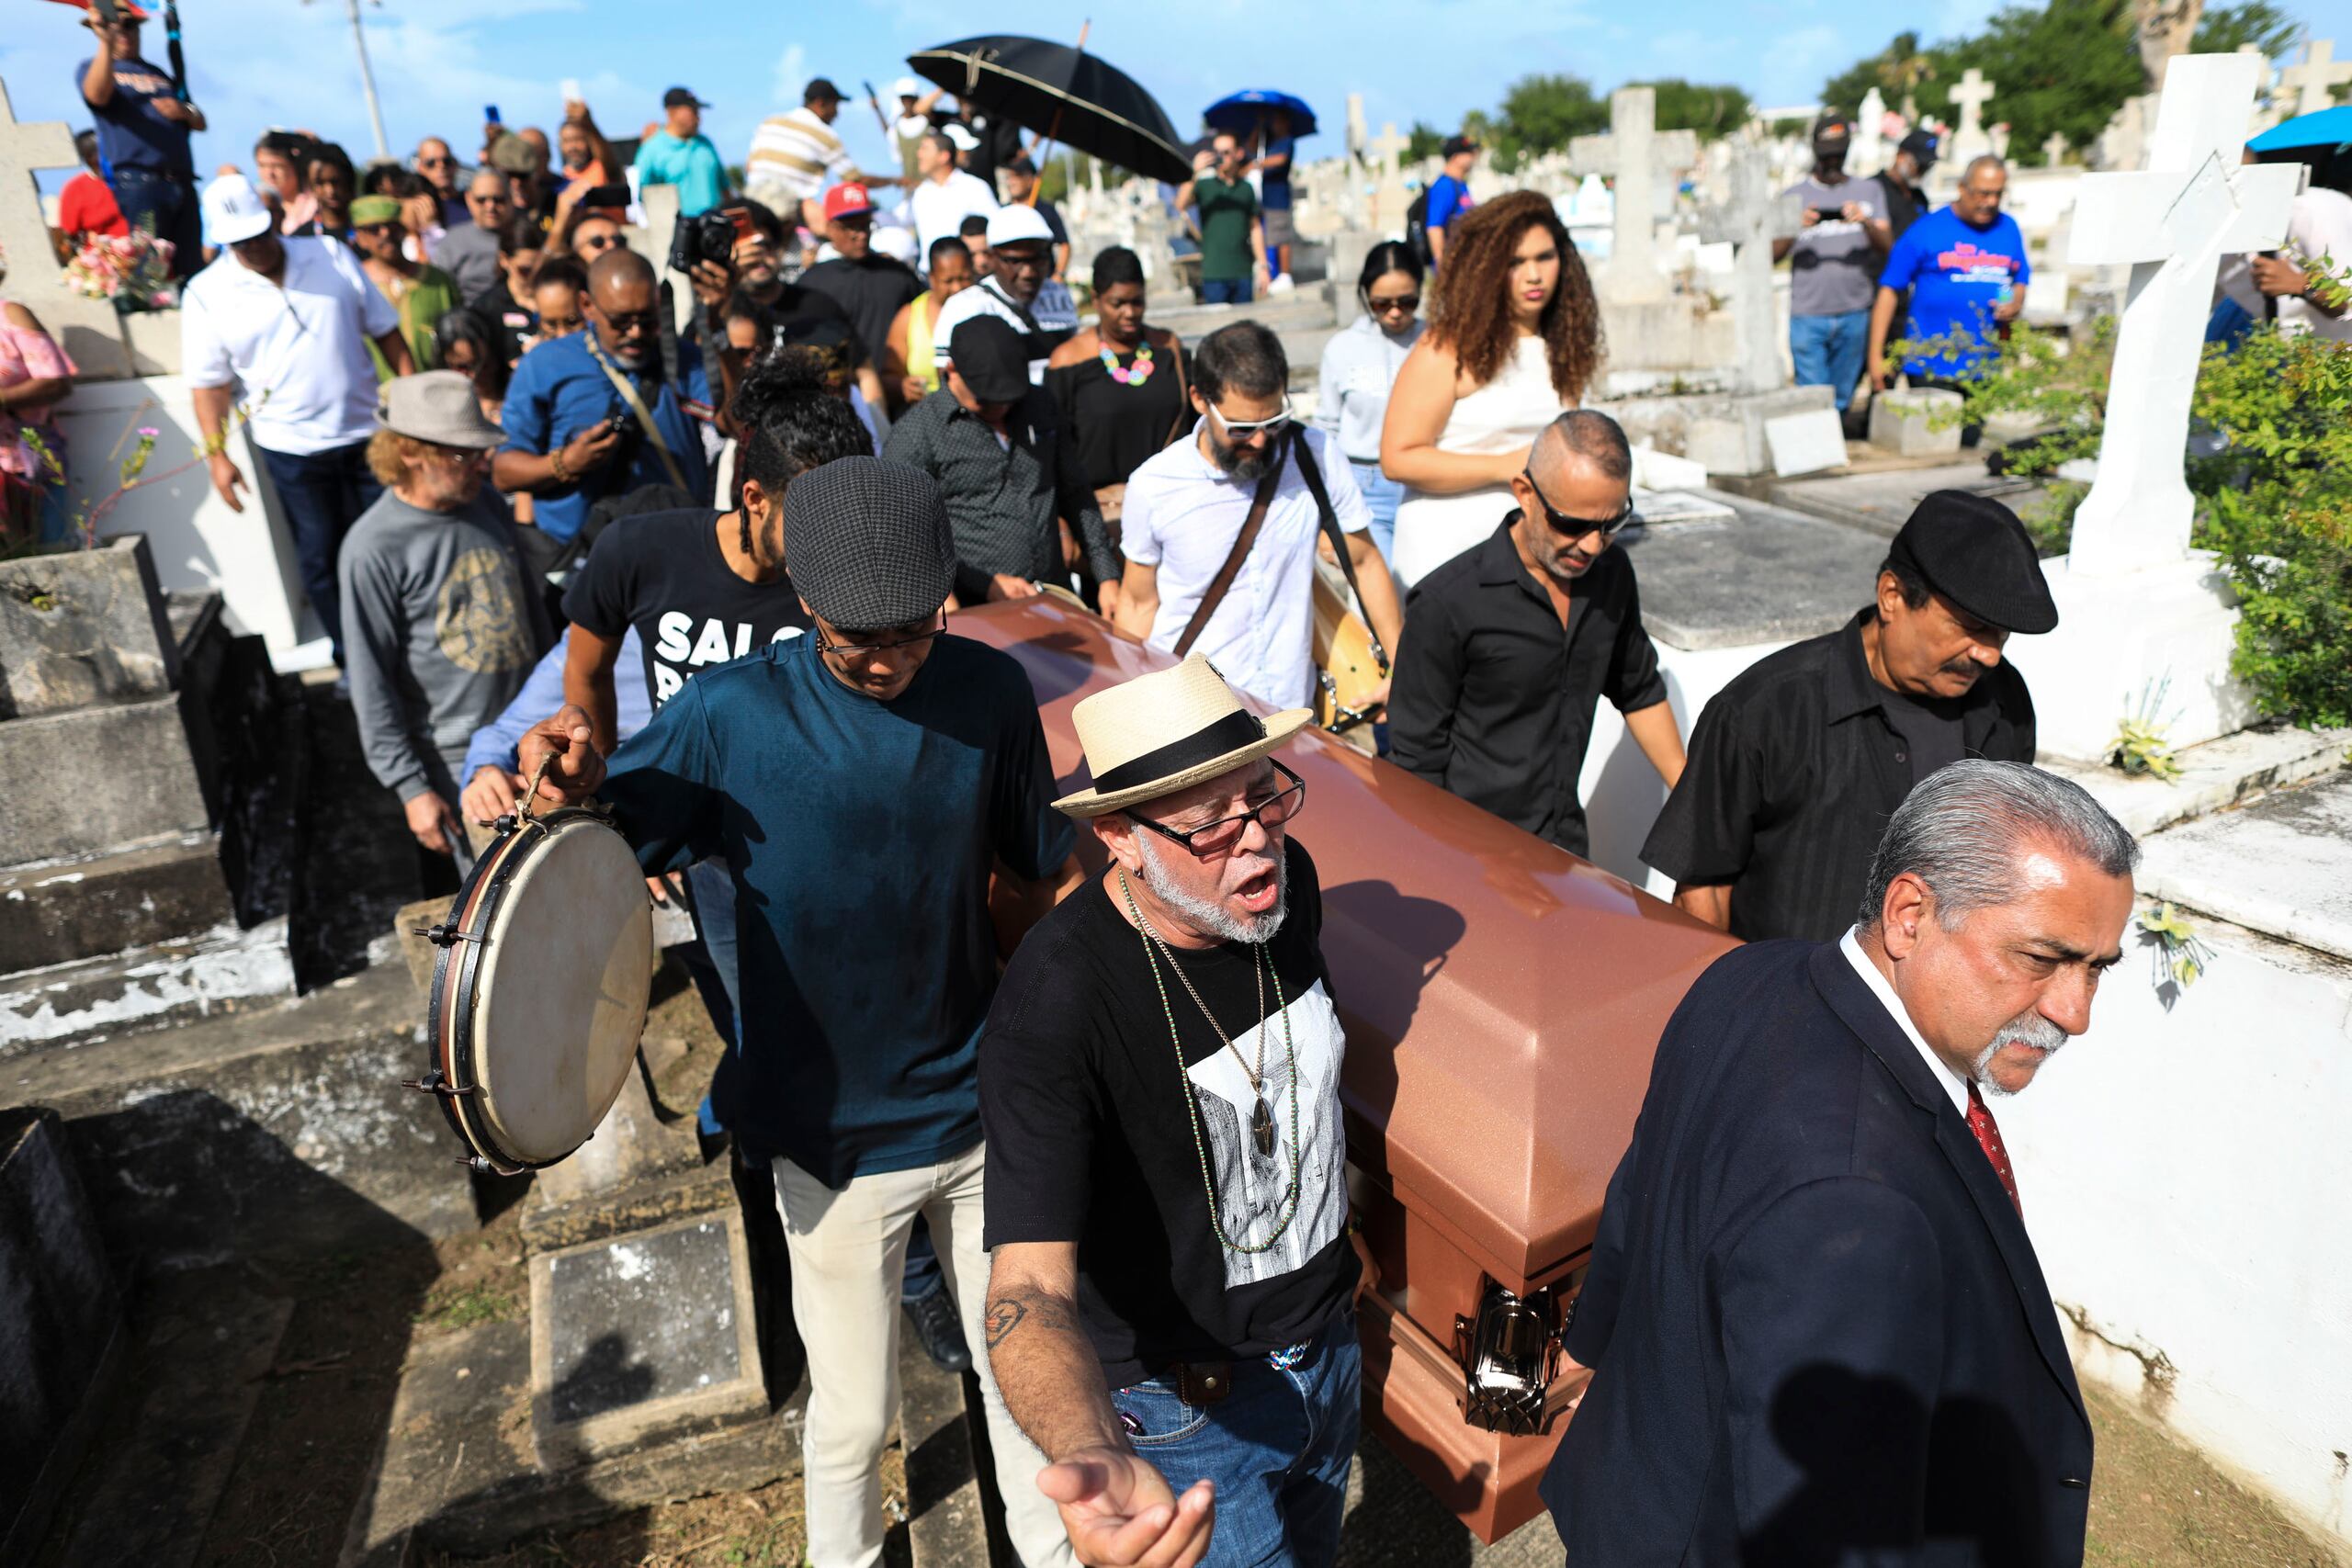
[635, 322]
[1221, 835]
[1409, 303]
[877, 650]
[434, 162]
[594, 241]
[1026, 261]
[1578, 528]
[1243, 429]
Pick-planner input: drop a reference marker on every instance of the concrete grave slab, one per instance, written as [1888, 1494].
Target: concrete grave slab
[82, 627]
[1883, 501]
[1914, 421]
[1769, 576]
[2213, 776]
[97, 779]
[2281, 866]
[65, 913]
[1805, 442]
[161, 986]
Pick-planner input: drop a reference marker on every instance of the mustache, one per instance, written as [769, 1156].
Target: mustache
[2028, 1027]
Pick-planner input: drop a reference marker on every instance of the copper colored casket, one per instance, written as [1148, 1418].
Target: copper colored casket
[1502, 1000]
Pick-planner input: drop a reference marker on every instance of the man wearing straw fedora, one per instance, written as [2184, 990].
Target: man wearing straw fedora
[1170, 1309]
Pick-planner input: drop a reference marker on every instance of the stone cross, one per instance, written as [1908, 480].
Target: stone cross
[1359, 134]
[2053, 152]
[1634, 151]
[1999, 136]
[87, 330]
[2124, 142]
[1969, 94]
[2173, 222]
[1390, 148]
[2269, 106]
[1750, 218]
[2312, 83]
[1868, 153]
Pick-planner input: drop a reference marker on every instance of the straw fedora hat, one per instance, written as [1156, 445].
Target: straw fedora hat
[1167, 731]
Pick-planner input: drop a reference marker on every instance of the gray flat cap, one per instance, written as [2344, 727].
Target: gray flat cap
[867, 543]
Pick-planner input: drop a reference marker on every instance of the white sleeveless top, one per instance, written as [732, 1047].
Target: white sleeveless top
[1505, 414]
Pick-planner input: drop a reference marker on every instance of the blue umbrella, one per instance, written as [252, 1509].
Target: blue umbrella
[2327, 128]
[1242, 112]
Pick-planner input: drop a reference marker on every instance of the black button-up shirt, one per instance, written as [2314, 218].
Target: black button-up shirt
[1002, 497]
[1493, 698]
[1794, 769]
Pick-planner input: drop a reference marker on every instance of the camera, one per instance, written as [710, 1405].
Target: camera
[708, 237]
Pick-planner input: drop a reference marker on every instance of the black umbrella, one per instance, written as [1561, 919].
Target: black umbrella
[1074, 97]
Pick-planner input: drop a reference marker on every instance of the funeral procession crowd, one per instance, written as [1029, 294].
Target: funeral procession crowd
[1049, 1071]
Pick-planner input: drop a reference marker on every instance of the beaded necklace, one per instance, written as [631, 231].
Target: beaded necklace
[1261, 1122]
[1128, 375]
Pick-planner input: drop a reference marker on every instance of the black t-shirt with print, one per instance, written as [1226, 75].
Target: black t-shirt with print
[1089, 1139]
[664, 574]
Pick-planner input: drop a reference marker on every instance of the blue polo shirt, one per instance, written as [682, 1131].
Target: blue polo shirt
[861, 835]
[693, 166]
[131, 135]
[558, 390]
[1957, 273]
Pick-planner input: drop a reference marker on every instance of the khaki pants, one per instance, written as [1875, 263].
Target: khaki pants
[849, 1249]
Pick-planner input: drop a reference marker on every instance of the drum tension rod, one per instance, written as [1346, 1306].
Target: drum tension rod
[433, 1083]
[445, 934]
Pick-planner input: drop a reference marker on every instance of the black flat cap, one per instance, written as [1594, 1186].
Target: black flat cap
[1975, 552]
[990, 357]
[867, 543]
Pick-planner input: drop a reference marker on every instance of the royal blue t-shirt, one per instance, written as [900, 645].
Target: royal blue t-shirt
[862, 835]
[558, 390]
[1957, 273]
[131, 135]
[1449, 200]
[1275, 197]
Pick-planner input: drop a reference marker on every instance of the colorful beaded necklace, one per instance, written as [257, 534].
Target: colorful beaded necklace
[1128, 375]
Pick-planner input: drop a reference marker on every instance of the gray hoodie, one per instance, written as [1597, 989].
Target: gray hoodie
[440, 629]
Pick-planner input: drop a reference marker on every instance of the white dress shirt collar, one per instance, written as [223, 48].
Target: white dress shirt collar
[1954, 1085]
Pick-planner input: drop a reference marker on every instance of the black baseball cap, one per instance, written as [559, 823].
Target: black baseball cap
[992, 359]
[820, 90]
[1457, 145]
[1921, 145]
[1834, 129]
[677, 98]
[1973, 552]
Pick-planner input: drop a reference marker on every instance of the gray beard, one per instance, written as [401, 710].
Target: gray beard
[2028, 1027]
[1212, 917]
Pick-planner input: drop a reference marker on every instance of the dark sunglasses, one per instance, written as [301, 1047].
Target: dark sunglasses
[1578, 528]
[1215, 838]
[1409, 303]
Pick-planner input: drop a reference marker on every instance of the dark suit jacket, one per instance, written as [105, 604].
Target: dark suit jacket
[1819, 1333]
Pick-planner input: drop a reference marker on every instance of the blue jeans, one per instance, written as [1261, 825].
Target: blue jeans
[323, 494]
[163, 205]
[1381, 495]
[1828, 351]
[1224, 290]
[1277, 1446]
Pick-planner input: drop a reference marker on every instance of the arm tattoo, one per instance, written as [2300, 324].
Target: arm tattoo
[1004, 1316]
[1010, 1311]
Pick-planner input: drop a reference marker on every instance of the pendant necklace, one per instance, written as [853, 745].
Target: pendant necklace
[1261, 1118]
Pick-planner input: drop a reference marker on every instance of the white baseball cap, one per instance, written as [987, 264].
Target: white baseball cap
[1018, 223]
[962, 137]
[234, 211]
[907, 87]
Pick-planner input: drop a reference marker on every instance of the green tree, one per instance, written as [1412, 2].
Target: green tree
[2066, 68]
[1709, 110]
[1902, 67]
[2258, 22]
[1426, 142]
[1538, 113]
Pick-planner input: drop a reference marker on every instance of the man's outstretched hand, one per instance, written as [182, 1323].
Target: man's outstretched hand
[1120, 1514]
[576, 769]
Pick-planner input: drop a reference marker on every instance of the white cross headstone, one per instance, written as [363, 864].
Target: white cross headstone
[2053, 152]
[1634, 151]
[2311, 85]
[1969, 95]
[2173, 222]
[1867, 155]
[1359, 134]
[1390, 199]
[1750, 218]
[87, 330]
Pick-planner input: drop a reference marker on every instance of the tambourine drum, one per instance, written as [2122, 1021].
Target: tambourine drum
[540, 989]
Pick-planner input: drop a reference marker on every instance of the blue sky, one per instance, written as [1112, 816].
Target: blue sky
[256, 63]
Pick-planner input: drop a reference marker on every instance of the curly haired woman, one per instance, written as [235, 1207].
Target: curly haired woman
[1513, 339]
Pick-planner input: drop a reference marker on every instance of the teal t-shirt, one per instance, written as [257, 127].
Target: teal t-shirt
[862, 835]
[693, 166]
[1228, 208]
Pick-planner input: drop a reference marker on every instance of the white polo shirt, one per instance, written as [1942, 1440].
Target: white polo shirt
[297, 354]
[1182, 516]
[939, 206]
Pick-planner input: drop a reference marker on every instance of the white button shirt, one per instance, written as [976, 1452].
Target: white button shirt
[1182, 516]
[297, 354]
[1954, 1085]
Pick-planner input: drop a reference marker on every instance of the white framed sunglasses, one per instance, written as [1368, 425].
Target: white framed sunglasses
[1243, 429]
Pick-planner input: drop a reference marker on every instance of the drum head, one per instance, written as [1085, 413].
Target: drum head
[560, 998]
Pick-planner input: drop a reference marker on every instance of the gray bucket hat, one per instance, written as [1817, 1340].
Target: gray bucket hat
[439, 406]
[869, 544]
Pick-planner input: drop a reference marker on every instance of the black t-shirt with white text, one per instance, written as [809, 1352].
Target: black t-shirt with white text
[664, 574]
[1091, 1138]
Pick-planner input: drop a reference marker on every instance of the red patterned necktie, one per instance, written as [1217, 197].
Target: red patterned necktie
[1988, 1138]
